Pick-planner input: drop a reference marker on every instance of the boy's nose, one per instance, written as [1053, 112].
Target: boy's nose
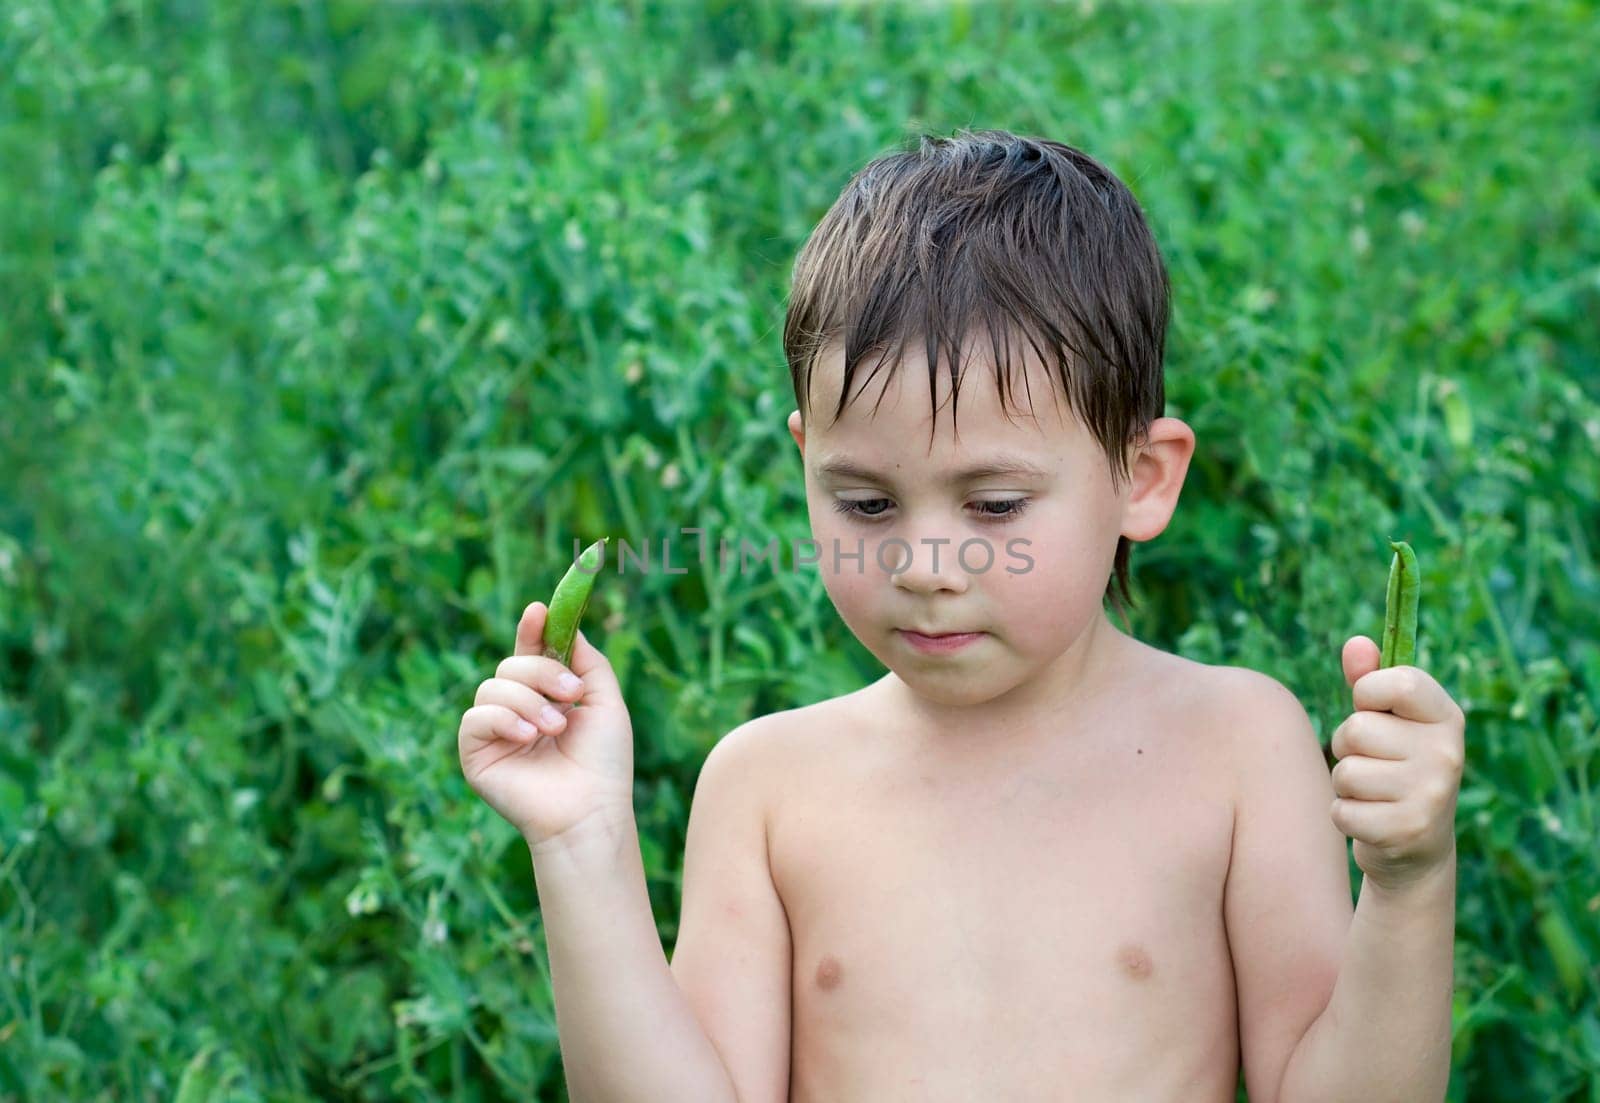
[927, 565]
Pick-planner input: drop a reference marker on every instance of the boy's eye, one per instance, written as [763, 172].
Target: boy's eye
[1006, 507]
[1003, 509]
[852, 507]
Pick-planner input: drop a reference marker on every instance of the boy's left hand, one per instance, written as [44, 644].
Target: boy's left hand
[1400, 757]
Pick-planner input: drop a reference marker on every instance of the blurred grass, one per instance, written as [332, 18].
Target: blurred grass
[328, 328]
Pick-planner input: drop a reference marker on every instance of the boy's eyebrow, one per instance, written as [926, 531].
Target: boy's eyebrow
[840, 468]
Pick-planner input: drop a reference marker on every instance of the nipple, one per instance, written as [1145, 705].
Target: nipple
[1135, 960]
[829, 973]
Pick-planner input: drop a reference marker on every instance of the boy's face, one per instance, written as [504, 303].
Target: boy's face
[1022, 557]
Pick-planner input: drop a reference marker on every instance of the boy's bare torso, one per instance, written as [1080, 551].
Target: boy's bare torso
[1041, 926]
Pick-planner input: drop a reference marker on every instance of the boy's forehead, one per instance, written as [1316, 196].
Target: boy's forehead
[899, 392]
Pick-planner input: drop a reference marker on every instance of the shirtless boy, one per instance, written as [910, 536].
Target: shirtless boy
[1043, 862]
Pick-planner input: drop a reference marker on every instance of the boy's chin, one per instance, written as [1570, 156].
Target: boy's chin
[952, 688]
[955, 700]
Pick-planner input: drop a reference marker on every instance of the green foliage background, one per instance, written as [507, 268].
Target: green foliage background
[328, 327]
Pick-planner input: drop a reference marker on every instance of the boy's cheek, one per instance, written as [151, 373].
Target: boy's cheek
[1041, 610]
[1054, 594]
[854, 590]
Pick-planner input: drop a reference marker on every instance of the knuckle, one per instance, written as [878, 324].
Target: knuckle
[1453, 760]
[533, 671]
[525, 669]
[479, 719]
[1408, 681]
[1347, 816]
[510, 695]
[1341, 778]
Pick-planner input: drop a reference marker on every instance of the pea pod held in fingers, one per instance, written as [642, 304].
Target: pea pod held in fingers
[1400, 610]
[569, 601]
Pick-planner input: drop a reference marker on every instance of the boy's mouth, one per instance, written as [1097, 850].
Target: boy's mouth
[939, 642]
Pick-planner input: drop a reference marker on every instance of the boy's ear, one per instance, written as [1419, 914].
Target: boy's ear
[797, 430]
[1158, 468]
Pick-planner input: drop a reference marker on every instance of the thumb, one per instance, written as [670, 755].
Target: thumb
[530, 629]
[600, 685]
[1361, 657]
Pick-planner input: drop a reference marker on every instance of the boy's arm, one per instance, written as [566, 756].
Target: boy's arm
[1330, 1009]
[628, 1030]
[733, 955]
[1286, 903]
[1386, 1032]
[627, 1033]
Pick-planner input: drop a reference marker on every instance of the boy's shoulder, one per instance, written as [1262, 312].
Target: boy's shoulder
[780, 747]
[1215, 685]
[1219, 697]
[1240, 708]
[775, 733]
[767, 733]
[1253, 725]
[1235, 705]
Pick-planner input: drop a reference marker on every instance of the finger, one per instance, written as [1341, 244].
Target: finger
[530, 629]
[542, 674]
[1358, 778]
[1405, 691]
[1360, 819]
[1375, 735]
[531, 706]
[1379, 823]
[600, 686]
[1359, 657]
[484, 724]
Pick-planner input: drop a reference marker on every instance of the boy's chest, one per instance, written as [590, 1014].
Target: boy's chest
[1063, 916]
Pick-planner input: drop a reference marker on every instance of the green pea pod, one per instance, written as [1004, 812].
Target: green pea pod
[1400, 610]
[1565, 948]
[569, 601]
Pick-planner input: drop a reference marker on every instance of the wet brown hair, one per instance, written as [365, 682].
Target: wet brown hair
[992, 232]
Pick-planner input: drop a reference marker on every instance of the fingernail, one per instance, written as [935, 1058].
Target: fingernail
[526, 728]
[569, 683]
[549, 716]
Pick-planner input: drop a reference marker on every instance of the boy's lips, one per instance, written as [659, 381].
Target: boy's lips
[938, 642]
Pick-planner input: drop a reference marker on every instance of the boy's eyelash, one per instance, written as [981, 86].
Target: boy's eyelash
[850, 508]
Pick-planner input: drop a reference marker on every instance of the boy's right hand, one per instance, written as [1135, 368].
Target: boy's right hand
[575, 771]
